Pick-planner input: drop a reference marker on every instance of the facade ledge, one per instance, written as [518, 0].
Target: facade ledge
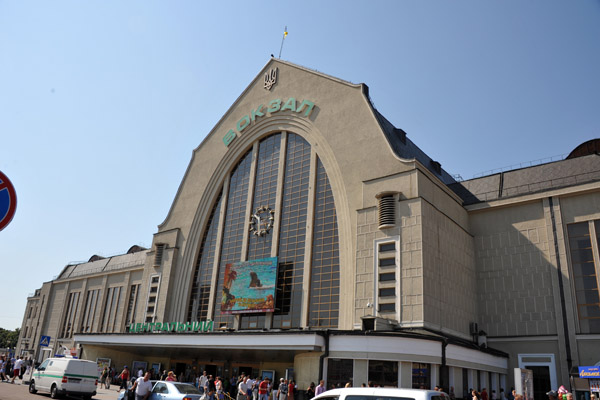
[272, 341]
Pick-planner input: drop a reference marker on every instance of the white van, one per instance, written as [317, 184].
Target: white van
[370, 393]
[65, 376]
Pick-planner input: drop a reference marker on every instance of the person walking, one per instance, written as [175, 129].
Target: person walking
[124, 378]
[16, 369]
[142, 387]
[3, 369]
[242, 393]
[263, 389]
[291, 389]
[282, 392]
[103, 378]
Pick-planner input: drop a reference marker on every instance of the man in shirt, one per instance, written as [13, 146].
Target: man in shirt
[243, 389]
[124, 378]
[321, 388]
[202, 382]
[211, 388]
[263, 389]
[17, 369]
[142, 387]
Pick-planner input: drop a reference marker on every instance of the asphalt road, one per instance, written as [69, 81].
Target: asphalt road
[17, 391]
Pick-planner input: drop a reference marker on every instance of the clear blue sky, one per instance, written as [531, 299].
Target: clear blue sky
[102, 102]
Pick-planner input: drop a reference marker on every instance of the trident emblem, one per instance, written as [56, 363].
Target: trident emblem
[270, 78]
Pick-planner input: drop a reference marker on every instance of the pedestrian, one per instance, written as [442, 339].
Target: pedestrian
[255, 383]
[17, 369]
[103, 377]
[211, 388]
[2, 368]
[219, 388]
[310, 391]
[242, 393]
[263, 389]
[124, 376]
[283, 389]
[171, 377]
[142, 387]
[202, 381]
[552, 395]
[291, 390]
[109, 377]
[321, 388]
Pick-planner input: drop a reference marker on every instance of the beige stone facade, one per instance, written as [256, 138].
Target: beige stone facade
[396, 272]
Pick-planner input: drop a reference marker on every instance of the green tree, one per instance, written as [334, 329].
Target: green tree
[9, 338]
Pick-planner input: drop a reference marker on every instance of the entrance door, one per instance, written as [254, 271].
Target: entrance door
[541, 381]
[211, 370]
[179, 369]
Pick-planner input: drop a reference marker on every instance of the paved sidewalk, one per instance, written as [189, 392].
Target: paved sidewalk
[107, 394]
[22, 388]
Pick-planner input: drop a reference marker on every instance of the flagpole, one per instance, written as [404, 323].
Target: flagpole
[282, 39]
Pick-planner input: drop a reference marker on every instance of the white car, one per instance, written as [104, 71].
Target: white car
[381, 394]
[167, 390]
[65, 376]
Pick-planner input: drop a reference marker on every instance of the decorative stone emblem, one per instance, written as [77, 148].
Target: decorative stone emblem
[261, 221]
[270, 78]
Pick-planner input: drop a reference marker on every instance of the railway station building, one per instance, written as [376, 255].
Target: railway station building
[312, 238]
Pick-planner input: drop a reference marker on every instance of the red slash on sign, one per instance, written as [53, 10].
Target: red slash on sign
[8, 201]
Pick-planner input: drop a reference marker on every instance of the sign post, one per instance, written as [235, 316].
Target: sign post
[45, 341]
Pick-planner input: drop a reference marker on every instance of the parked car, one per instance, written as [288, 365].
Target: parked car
[381, 394]
[65, 376]
[167, 390]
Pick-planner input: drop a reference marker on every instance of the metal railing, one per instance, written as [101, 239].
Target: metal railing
[521, 165]
[535, 187]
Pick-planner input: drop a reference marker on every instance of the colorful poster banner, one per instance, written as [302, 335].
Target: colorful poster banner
[249, 286]
[102, 362]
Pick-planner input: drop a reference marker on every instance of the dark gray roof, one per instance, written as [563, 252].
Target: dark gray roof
[404, 148]
[102, 265]
[529, 180]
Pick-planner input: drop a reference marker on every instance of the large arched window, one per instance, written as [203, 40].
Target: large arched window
[276, 173]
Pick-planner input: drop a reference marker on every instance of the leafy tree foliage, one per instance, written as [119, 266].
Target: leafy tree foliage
[9, 338]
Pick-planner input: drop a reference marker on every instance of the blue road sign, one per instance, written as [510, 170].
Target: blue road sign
[45, 341]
